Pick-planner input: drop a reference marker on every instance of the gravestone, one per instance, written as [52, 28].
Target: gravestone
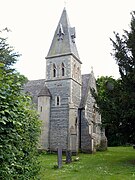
[59, 157]
[68, 156]
[103, 143]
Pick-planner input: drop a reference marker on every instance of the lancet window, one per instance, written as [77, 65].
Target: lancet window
[54, 70]
[57, 101]
[63, 69]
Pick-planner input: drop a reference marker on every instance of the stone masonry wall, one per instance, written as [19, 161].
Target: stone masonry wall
[68, 89]
[86, 145]
[59, 118]
[58, 63]
[76, 93]
[89, 108]
[44, 111]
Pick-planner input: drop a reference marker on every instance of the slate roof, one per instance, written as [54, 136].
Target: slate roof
[63, 42]
[44, 92]
[88, 81]
[36, 88]
[85, 89]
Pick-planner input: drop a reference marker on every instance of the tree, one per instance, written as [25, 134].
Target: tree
[108, 100]
[124, 54]
[19, 124]
[116, 98]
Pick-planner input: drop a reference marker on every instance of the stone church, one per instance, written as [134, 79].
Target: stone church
[63, 100]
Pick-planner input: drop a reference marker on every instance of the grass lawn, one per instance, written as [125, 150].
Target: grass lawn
[117, 163]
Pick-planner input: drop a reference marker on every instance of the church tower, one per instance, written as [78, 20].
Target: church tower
[63, 79]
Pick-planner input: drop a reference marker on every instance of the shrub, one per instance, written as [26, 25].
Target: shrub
[19, 124]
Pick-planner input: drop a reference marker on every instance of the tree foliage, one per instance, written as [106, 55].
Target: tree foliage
[124, 54]
[19, 124]
[108, 100]
[117, 105]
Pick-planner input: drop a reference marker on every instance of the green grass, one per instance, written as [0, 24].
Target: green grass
[117, 163]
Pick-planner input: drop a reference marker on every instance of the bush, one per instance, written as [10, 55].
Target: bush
[19, 124]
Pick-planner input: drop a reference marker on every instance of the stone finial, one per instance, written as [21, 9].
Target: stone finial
[91, 69]
[65, 4]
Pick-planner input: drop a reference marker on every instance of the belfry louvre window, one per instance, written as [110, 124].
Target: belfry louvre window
[54, 70]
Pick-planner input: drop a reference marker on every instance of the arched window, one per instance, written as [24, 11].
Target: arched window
[54, 70]
[63, 69]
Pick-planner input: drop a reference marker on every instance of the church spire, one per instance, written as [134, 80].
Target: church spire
[63, 42]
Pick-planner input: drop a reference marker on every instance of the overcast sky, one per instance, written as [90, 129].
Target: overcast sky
[33, 23]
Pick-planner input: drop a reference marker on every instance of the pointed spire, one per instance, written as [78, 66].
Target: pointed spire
[63, 42]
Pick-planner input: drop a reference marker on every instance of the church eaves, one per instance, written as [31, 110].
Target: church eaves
[63, 42]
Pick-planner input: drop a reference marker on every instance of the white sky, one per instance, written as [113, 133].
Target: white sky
[33, 23]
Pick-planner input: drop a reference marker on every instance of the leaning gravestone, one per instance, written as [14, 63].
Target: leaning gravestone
[68, 156]
[59, 158]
